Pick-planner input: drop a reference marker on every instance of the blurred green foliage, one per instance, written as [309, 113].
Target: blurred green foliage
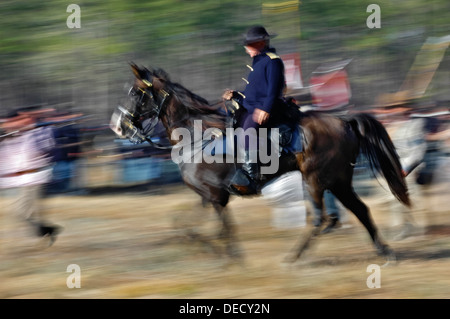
[195, 36]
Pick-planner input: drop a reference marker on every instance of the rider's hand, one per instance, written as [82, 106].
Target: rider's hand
[228, 95]
[260, 116]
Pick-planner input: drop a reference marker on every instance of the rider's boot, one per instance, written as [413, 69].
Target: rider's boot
[245, 180]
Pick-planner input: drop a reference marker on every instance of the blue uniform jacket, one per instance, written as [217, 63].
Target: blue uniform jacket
[266, 82]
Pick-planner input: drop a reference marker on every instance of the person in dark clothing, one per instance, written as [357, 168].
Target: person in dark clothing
[332, 211]
[67, 144]
[262, 99]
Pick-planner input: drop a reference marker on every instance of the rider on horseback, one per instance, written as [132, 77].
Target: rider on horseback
[262, 100]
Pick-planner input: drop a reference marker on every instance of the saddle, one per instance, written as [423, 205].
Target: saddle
[286, 120]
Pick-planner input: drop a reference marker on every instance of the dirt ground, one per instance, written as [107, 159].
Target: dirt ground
[130, 245]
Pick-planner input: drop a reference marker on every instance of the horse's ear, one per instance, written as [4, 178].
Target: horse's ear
[136, 70]
[158, 83]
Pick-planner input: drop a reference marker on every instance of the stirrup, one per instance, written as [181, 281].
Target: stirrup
[242, 184]
[242, 190]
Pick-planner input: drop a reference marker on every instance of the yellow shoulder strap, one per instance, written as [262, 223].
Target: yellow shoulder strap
[272, 55]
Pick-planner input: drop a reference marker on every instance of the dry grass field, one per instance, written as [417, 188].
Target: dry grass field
[135, 246]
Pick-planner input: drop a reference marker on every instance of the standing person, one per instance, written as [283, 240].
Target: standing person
[408, 135]
[262, 100]
[332, 211]
[65, 152]
[25, 168]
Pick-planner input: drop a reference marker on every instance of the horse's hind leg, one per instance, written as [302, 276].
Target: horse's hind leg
[351, 201]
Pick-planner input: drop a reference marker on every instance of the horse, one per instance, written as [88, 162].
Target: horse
[331, 145]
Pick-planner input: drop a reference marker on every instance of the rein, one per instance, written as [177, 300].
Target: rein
[156, 145]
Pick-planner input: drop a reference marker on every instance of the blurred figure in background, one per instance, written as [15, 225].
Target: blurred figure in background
[332, 211]
[436, 136]
[25, 169]
[66, 151]
[408, 135]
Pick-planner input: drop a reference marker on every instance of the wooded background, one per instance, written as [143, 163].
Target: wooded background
[199, 44]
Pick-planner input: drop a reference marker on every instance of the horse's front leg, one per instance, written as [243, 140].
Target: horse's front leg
[313, 232]
[228, 231]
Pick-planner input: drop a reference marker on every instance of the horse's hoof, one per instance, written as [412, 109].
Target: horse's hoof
[386, 251]
[234, 252]
[391, 259]
[332, 225]
[289, 259]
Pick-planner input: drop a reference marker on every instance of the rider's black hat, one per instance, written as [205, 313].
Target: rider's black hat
[257, 33]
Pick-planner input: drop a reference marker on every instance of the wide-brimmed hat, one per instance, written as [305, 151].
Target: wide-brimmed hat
[24, 118]
[36, 112]
[19, 122]
[390, 110]
[257, 33]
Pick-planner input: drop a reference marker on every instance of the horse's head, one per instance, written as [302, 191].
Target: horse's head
[144, 102]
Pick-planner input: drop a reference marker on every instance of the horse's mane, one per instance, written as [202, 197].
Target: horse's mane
[196, 106]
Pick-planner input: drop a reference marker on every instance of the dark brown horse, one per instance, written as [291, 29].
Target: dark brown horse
[331, 146]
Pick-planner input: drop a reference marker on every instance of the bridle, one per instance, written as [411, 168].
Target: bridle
[149, 101]
[147, 96]
[148, 104]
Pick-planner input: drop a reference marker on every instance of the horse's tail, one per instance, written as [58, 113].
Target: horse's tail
[377, 146]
